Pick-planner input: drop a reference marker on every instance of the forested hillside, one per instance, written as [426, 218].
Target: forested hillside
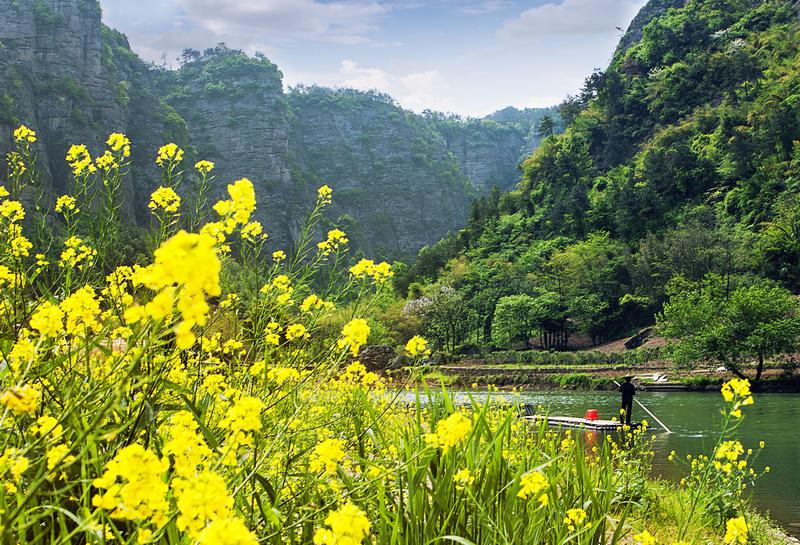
[406, 179]
[681, 160]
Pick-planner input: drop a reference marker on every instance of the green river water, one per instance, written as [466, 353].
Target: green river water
[694, 419]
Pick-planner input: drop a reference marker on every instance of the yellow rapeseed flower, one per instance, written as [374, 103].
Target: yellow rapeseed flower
[187, 261]
[166, 199]
[463, 478]
[417, 346]
[13, 211]
[134, 487]
[326, 456]
[48, 320]
[282, 375]
[645, 538]
[24, 134]
[253, 230]
[296, 331]
[119, 142]
[21, 400]
[243, 417]
[228, 531]
[354, 335]
[66, 204]
[532, 484]
[204, 167]
[201, 498]
[346, 526]
[80, 160]
[324, 194]
[450, 431]
[82, 309]
[575, 517]
[47, 426]
[169, 153]
[336, 238]
[736, 531]
[76, 254]
[737, 389]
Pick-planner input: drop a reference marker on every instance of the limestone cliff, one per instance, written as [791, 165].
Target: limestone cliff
[72, 80]
[395, 180]
[402, 180]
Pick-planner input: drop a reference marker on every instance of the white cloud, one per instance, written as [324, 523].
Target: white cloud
[571, 18]
[338, 21]
[416, 90]
[484, 7]
[353, 76]
[157, 27]
[426, 90]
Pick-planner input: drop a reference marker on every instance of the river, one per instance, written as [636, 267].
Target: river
[694, 419]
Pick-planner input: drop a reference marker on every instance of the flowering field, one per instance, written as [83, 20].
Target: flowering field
[208, 395]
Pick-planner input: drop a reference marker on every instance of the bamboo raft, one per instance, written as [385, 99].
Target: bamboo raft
[584, 423]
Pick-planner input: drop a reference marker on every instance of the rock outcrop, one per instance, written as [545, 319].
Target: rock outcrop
[73, 80]
[395, 180]
[401, 180]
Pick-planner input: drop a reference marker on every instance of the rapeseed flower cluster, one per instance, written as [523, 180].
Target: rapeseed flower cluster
[204, 167]
[77, 254]
[134, 487]
[336, 238]
[367, 268]
[80, 160]
[737, 391]
[348, 525]
[417, 346]
[118, 142]
[169, 154]
[21, 400]
[533, 484]
[66, 204]
[450, 431]
[151, 403]
[736, 531]
[575, 518]
[164, 198]
[326, 456]
[185, 272]
[354, 335]
[23, 134]
[324, 194]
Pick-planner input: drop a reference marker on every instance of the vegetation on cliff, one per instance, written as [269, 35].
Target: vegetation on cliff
[680, 160]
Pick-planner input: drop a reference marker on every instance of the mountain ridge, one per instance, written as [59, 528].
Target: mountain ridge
[74, 80]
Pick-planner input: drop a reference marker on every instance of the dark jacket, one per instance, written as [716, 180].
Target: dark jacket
[628, 390]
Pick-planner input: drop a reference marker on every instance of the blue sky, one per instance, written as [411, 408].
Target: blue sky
[470, 57]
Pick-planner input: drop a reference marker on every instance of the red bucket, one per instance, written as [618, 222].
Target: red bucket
[592, 414]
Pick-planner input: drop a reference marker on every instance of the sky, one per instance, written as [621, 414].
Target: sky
[470, 57]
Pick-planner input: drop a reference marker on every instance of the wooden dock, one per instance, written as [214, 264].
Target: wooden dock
[573, 422]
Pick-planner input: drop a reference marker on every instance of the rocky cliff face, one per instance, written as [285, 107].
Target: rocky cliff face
[73, 81]
[401, 180]
[237, 116]
[649, 11]
[395, 181]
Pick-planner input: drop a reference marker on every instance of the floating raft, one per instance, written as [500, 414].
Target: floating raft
[573, 422]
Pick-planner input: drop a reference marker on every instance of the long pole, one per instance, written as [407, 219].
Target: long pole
[666, 429]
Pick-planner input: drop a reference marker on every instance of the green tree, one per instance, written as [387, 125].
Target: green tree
[513, 320]
[756, 321]
[546, 127]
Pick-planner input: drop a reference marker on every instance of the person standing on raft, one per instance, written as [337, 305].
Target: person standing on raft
[628, 391]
